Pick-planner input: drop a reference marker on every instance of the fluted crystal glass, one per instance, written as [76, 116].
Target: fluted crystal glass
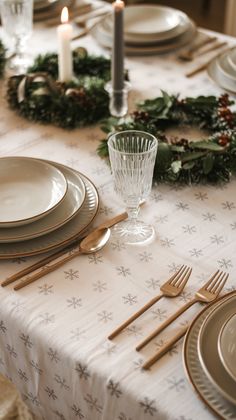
[132, 156]
[17, 17]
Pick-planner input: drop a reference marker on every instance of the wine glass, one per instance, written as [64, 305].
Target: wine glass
[132, 156]
[17, 17]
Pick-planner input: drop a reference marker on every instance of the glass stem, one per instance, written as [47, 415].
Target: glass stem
[133, 212]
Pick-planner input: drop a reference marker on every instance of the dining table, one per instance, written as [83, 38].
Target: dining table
[54, 332]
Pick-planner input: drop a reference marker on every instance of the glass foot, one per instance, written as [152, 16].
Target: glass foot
[138, 233]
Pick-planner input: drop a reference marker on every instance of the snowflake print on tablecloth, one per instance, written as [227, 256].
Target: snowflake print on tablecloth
[118, 245]
[47, 318]
[228, 205]
[216, 239]
[3, 327]
[45, 289]
[225, 264]
[36, 367]
[114, 389]
[122, 271]
[159, 344]
[71, 274]
[175, 384]
[18, 305]
[233, 226]
[32, 398]
[53, 355]
[77, 411]
[105, 316]
[77, 334]
[145, 256]
[152, 284]
[51, 393]
[59, 415]
[95, 258]
[22, 375]
[110, 348]
[82, 371]
[189, 229]
[182, 206]
[105, 210]
[74, 302]
[11, 350]
[93, 403]
[122, 416]
[185, 296]
[138, 365]
[134, 330]
[209, 217]
[148, 406]
[201, 196]
[173, 267]
[159, 314]
[156, 197]
[99, 286]
[130, 299]
[61, 381]
[26, 340]
[167, 243]
[195, 253]
[161, 219]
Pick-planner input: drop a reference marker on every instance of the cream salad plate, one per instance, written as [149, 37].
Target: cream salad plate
[63, 235]
[29, 190]
[68, 208]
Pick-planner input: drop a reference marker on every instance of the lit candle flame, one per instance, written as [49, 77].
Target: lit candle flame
[64, 15]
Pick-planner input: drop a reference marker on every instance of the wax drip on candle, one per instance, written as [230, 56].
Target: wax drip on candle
[64, 32]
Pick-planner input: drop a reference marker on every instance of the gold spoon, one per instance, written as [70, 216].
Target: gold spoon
[95, 241]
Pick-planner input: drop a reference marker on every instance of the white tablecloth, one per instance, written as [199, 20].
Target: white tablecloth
[53, 333]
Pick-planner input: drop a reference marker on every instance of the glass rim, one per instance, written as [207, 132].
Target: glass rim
[153, 146]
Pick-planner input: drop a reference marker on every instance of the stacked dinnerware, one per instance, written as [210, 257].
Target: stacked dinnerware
[148, 29]
[210, 356]
[222, 70]
[44, 206]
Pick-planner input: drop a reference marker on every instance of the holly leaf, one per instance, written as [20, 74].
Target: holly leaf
[164, 157]
[192, 156]
[208, 163]
[207, 145]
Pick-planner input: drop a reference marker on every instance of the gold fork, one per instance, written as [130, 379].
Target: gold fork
[173, 287]
[205, 294]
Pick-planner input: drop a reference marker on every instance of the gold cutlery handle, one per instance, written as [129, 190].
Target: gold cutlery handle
[46, 270]
[135, 316]
[165, 348]
[109, 223]
[166, 323]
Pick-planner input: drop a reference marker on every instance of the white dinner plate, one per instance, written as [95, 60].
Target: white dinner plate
[208, 349]
[232, 58]
[200, 381]
[215, 73]
[62, 236]
[226, 69]
[29, 189]
[227, 345]
[149, 20]
[105, 39]
[135, 39]
[69, 207]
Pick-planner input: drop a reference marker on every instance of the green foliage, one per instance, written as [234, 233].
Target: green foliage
[180, 160]
[39, 96]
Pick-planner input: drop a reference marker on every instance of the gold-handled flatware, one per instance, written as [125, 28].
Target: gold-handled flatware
[172, 288]
[204, 66]
[165, 348]
[107, 224]
[188, 55]
[206, 294]
[92, 243]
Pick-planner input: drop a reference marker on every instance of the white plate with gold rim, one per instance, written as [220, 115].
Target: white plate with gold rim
[227, 346]
[62, 236]
[69, 207]
[29, 190]
[194, 370]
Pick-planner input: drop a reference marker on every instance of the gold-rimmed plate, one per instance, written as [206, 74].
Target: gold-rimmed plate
[194, 370]
[62, 236]
[227, 346]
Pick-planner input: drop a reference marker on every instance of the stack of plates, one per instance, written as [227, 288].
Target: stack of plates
[44, 205]
[222, 70]
[210, 356]
[148, 29]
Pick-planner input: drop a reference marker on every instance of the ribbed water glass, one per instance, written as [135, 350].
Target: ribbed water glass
[132, 156]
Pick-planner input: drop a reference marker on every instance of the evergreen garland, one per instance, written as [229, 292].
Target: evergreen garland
[180, 160]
